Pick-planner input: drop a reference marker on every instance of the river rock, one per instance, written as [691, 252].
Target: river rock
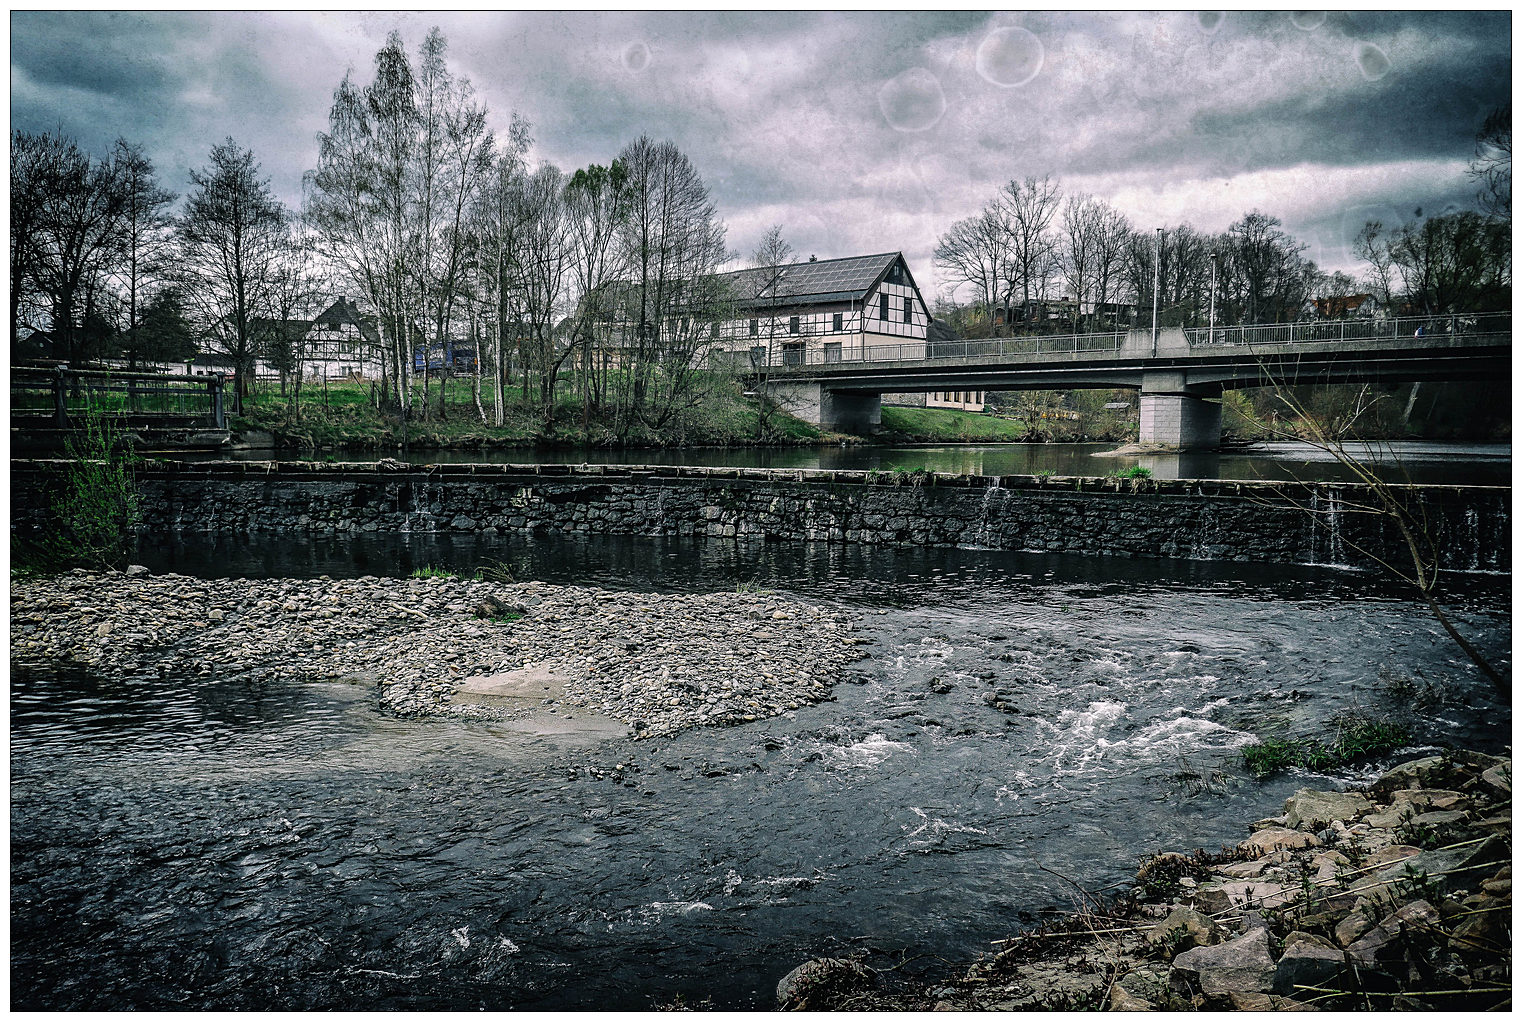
[1256, 893]
[1417, 915]
[1243, 964]
[1407, 775]
[1306, 961]
[1184, 929]
[820, 981]
[1275, 839]
[1313, 810]
[1498, 778]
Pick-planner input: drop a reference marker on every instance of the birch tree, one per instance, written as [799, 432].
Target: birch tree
[232, 235]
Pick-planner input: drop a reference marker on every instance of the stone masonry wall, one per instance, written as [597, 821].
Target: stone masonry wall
[1198, 519]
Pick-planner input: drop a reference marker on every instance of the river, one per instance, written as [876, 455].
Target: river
[1405, 461]
[192, 844]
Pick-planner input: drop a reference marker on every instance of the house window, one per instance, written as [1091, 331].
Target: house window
[758, 354]
[792, 324]
[832, 351]
[755, 327]
[840, 322]
[908, 309]
[882, 307]
[792, 354]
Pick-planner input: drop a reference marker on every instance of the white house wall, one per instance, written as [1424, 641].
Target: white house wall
[862, 333]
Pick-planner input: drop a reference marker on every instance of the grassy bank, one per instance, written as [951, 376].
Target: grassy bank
[946, 425]
[343, 416]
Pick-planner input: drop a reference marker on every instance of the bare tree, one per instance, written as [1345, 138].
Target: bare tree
[146, 234]
[975, 252]
[1374, 247]
[232, 234]
[762, 293]
[358, 200]
[674, 244]
[542, 283]
[68, 208]
[599, 203]
[1028, 208]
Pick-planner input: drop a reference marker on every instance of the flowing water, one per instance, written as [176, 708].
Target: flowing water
[1416, 462]
[192, 844]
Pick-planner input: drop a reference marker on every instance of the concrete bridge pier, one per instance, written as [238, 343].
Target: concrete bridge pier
[1177, 414]
[860, 414]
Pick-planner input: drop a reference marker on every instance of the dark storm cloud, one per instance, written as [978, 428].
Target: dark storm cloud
[857, 132]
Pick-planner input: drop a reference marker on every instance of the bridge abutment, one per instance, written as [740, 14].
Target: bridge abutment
[1176, 415]
[860, 414]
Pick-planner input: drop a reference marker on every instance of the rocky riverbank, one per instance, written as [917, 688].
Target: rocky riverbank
[1396, 896]
[658, 663]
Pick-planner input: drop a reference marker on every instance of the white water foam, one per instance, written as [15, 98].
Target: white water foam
[867, 753]
[658, 910]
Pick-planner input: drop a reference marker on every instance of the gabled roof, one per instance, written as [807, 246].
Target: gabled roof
[344, 312]
[824, 280]
[293, 329]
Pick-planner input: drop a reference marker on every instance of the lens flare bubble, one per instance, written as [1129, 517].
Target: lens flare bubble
[1371, 61]
[1307, 21]
[1209, 21]
[1010, 56]
[636, 57]
[913, 100]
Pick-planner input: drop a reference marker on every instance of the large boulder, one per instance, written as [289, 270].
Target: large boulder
[819, 980]
[1307, 961]
[1315, 810]
[1381, 942]
[1185, 929]
[1276, 839]
[1243, 965]
[1232, 894]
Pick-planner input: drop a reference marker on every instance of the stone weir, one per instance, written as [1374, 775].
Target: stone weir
[1287, 523]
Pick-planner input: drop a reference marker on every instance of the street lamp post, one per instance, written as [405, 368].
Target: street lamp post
[1214, 259]
[1157, 277]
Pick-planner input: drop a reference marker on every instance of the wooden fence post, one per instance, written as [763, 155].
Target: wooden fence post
[60, 406]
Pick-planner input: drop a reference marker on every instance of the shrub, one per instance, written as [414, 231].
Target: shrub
[96, 510]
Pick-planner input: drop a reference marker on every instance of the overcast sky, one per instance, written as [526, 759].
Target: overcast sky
[857, 132]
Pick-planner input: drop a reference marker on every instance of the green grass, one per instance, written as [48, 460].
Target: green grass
[1134, 472]
[1359, 737]
[342, 416]
[429, 571]
[946, 425]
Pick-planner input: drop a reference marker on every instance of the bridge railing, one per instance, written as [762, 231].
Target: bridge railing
[789, 356]
[1456, 327]
[52, 396]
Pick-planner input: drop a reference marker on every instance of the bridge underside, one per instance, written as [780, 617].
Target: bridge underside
[1180, 387]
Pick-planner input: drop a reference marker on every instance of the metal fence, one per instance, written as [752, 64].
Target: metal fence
[794, 356]
[1460, 328]
[55, 395]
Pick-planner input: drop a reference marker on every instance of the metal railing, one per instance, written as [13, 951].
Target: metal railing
[1459, 328]
[800, 356]
[55, 395]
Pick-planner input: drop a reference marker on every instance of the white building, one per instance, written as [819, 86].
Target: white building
[829, 310]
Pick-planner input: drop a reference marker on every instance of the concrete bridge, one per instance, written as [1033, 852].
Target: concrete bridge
[1180, 373]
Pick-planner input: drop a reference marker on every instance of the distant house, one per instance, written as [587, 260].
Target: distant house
[826, 310]
[1342, 307]
[341, 342]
